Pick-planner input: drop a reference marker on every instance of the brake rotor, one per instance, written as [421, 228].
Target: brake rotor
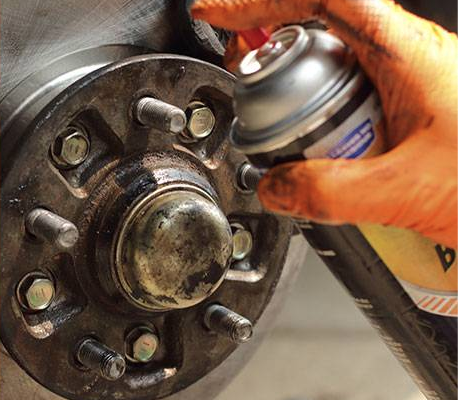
[119, 274]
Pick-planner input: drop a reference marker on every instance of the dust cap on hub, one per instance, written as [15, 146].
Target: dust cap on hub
[174, 251]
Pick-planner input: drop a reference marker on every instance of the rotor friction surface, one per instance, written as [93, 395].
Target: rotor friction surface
[35, 32]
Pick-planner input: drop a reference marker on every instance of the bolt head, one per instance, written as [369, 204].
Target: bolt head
[40, 294]
[71, 147]
[242, 242]
[201, 121]
[141, 345]
[145, 347]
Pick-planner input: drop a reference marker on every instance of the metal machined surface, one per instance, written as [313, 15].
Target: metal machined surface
[37, 32]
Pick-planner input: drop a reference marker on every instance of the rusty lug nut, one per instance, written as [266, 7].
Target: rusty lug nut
[162, 116]
[99, 358]
[71, 147]
[52, 228]
[248, 177]
[242, 242]
[201, 120]
[228, 323]
[141, 345]
[35, 292]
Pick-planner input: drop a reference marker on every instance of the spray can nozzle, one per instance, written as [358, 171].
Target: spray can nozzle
[255, 38]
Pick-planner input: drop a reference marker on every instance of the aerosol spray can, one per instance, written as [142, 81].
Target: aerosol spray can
[302, 96]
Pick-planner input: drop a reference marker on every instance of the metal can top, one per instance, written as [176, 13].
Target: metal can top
[290, 86]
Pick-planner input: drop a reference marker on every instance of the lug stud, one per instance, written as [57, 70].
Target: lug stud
[52, 228]
[99, 358]
[160, 115]
[248, 177]
[228, 323]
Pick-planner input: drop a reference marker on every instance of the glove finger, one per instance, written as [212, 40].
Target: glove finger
[238, 15]
[328, 191]
[382, 190]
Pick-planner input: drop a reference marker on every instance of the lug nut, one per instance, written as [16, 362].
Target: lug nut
[228, 323]
[162, 116]
[141, 345]
[242, 242]
[248, 177]
[51, 227]
[35, 292]
[201, 120]
[71, 147]
[101, 359]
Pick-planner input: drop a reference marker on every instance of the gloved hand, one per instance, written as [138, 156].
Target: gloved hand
[414, 65]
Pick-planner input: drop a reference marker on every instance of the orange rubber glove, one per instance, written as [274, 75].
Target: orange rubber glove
[414, 65]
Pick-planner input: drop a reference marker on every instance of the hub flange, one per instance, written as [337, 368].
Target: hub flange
[153, 212]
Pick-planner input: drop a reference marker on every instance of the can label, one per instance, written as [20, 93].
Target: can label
[355, 143]
[359, 136]
[426, 270]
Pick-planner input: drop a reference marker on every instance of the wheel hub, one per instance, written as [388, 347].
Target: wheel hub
[152, 212]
